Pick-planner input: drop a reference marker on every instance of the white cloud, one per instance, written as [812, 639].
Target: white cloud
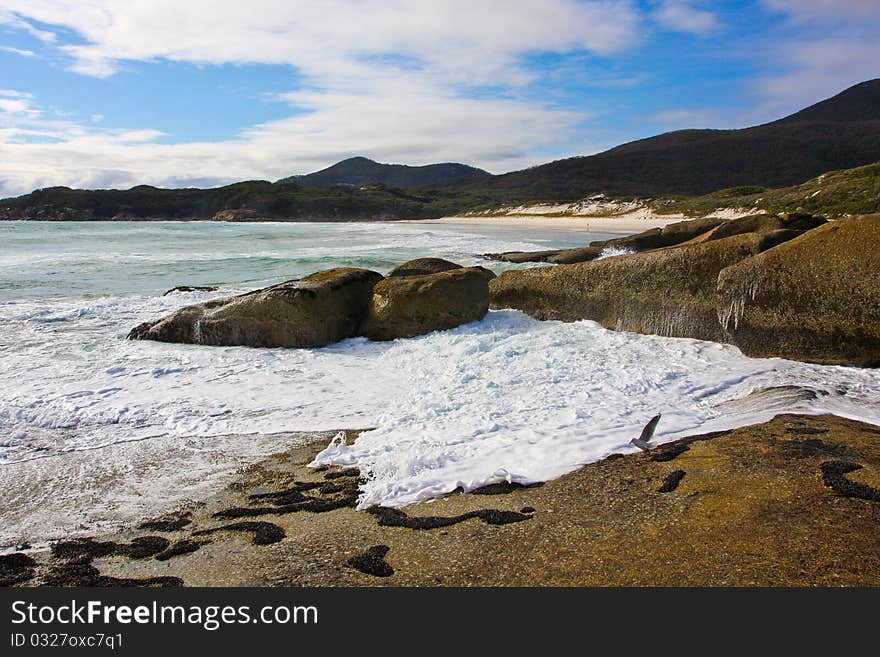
[817, 69]
[473, 42]
[388, 126]
[8, 17]
[18, 51]
[683, 16]
[393, 80]
[827, 46]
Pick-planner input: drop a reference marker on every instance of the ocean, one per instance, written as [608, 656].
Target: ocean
[96, 431]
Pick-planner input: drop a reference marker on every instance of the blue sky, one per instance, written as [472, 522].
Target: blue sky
[114, 93]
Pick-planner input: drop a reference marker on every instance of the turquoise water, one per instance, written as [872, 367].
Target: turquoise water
[69, 259]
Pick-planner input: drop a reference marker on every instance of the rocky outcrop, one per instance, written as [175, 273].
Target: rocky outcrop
[815, 298]
[668, 292]
[784, 286]
[311, 312]
[683, 232]
[333, 305]
[241, 215]
[652, 238]
[422, 266]
[405, 306]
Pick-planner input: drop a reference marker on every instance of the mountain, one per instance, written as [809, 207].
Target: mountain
[839, 133]
[363, 171]
[842, 132]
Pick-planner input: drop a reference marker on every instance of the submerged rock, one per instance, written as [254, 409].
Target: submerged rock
[405, 306]
[310, 312]
[816, 298]
[190, 288]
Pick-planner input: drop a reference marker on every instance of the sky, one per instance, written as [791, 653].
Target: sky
[175, 93]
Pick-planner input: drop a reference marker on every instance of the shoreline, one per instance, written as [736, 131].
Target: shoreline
[624, 224]
[280, 523]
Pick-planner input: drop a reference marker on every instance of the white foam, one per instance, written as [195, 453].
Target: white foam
[611, 251]
[519, 400]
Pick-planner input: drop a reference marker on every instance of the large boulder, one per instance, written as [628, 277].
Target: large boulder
[668, 292]
[405, 306]
[765, 223]
[814, 298]
[422, 266]
[310, 312]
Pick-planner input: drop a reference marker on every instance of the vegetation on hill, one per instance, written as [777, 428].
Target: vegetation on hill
[841, 132]
[833, 194]
[263, 199]
[363, 171]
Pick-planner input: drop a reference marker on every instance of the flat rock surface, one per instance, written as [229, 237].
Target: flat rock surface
[791, 502]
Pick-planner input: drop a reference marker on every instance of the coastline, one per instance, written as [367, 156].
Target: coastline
[634, 222]
[770, 497]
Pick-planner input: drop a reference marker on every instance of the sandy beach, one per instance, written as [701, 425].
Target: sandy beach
[634, 222]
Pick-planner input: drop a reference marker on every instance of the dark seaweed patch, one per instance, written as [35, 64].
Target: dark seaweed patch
[179, 547]
[84, 547]
[309, 505]
[170, 524]
[668, 452]
[671, 481]
[833, 476]
[80, 572]
[146, 546]
[16, 568]
[139, 548]
[372, 562]
[500, 488]
[396, 518]
[264, 533]
[348, 472]
[810, 447]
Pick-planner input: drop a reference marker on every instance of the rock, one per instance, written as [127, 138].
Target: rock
[405, 306]
[240, 215]
[190, 288]
[668, 292]
[571, 256]
[765, 223]
[652, 238]
[422, 266]
[311, 312]
[815, 298]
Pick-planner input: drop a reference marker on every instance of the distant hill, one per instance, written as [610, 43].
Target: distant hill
[363, 171]
[842, 132]
[256, 200]
[839, 133]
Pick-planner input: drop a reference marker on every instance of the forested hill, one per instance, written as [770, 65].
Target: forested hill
[363, 171]
[839, 133]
